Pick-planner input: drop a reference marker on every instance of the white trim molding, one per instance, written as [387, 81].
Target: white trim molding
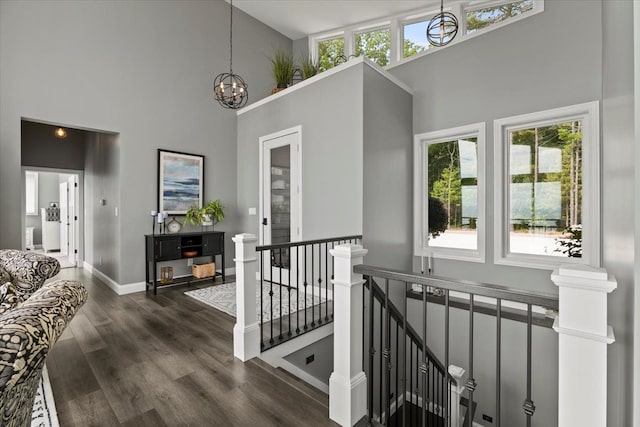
[421, 245]
[589, 114]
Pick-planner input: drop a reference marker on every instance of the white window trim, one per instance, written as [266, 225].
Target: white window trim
[420, 193]
[589, 114]
[396, 22]
[35, 192]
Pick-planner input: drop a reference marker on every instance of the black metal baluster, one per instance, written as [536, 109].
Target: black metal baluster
[498, 357]
[319, 284]
[289, 286]
[387, 351]
[528, 406]
[313, 298]
[297, 290]
[271, 341]
[333, 246]
[471, 382]
[326, 285]
[305, 284]
[261, 303]
[424, 367]
[404, 356]
[280, 292]
[372, 351]
[381, 363]
[410, 375]
[397, 364]
[447, 419]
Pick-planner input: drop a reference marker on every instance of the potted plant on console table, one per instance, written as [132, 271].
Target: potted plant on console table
[209, 214]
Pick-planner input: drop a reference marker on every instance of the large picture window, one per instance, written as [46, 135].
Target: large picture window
[449, 193]
[547, 187]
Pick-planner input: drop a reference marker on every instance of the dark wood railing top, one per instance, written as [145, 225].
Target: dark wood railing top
[305, 242]
[542, 299]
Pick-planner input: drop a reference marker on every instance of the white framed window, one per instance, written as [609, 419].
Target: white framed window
[375, 44]
[414, 36]
[484, 16]
[547, 188]
[329, 52]
[407, 31]
[449, 193]
[31, 192]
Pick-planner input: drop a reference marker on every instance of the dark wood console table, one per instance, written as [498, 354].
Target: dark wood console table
[171, 247]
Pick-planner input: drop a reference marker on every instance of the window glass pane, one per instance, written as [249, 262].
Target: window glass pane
[31, 193]
[545, 191]
[482, 18]
[330, 53]
[453, 194]
[415, 38]
[375, 45]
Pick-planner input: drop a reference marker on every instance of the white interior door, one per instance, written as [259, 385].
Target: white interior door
[64, 217]
[72, 213]
[280, 202]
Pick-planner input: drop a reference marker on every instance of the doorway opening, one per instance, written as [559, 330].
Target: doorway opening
[280, 200]
[52, 213]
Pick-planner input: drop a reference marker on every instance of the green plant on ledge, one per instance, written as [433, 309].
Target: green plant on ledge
[282, 67]
[209, 214]
[309, 68]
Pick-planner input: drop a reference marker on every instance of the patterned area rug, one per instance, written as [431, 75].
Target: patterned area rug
[223, 298]
[44, 407]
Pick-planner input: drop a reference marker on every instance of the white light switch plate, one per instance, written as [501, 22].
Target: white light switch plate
[252, 211]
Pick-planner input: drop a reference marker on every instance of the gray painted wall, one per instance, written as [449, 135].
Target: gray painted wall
[102, 181]
[331, 183]
[301, 48]
[388, 174]
[141, 69]
[520, 69]
[322, 365]
[636, 336]
[617, 202]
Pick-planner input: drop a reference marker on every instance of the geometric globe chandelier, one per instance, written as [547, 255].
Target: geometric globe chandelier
[230, 89]
[442, 28]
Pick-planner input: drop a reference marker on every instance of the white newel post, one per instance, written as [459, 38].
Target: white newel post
[456, 393]
[347, 383]
[583, 339]
[246, 332]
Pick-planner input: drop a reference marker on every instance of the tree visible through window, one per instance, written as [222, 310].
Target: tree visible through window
[453, 180]
[482, 18]
[545, 167]
[330, 53]
[375, 45]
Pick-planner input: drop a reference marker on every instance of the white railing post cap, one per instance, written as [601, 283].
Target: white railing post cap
[245, 238]
[348, 250]
[584, 277]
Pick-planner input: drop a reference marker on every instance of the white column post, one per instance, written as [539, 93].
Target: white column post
[456, 393]
[246, 332]
[347, 383]
[583, 338]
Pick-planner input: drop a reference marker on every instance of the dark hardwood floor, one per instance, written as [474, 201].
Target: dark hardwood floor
[139, 360]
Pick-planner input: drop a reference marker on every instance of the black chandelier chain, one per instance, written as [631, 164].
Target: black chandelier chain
[230, 89]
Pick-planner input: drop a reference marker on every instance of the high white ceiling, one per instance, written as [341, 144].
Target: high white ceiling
[299, 18]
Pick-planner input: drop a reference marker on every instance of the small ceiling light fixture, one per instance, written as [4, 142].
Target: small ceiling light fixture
[61, 133]
[442, 28]
[230, 89]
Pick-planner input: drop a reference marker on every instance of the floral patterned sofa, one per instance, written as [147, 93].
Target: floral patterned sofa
[32, 317]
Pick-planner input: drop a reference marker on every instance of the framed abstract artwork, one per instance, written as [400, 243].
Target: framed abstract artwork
[180, 181]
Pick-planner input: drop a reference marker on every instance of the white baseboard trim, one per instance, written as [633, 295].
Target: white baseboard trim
[128, 288]
[112, 284]
[275, 356]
